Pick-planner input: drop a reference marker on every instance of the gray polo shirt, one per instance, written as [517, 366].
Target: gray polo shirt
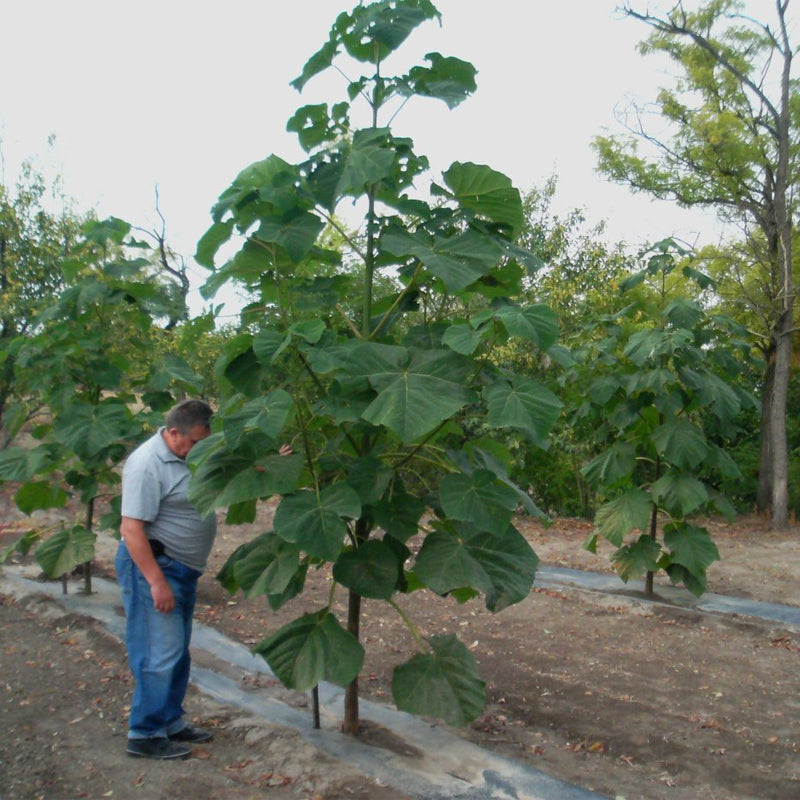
[154, 485]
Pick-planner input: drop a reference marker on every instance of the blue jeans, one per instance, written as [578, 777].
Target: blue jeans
[158, 645]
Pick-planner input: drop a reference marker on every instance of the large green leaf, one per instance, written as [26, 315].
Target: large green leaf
[612, 466]
[630, 511]
[600, 391]
[417, 389]
[646, 345]
[369, 570]
[310, 330]
[15, 464]
[227, 573]
[683, 313]
[371, 32]
[479, 498]
[223, 477]
[721, 397]
[267, 565]
[719, 460]
[311, 649]
[90, 430]
[369, 160]
[347, 399]
[536, 323]
[681, 443]
[314, 125]
[398, 512]
[369, 476]
[524, 404]
[634, 560]
[211, 241]
[655, 380]
[487, 193]
[678, 574]
[212, 475]
[65, 550]
[692, 548]
[267, 414]
[458, 260]
[174, 368]
[275, 475]
[315, 522]
[679, 494]
[21, 546]
[40, 495]
[449, 79]
[245, 372]
[295, 231]
[243, 513]
[443, 683]
[278, 407]
[463, 338]
[248, 185]
[319, 62]
[489, 454]
[459, 556]
[268, 344]
[714, 392]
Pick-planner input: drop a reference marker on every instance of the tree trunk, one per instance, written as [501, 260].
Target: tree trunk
[777, 413]
[351, 718]
[649, 581]
[87, 566]
[764, 492]
[785, 323]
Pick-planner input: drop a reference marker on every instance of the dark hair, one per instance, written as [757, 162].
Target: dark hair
[188, 414]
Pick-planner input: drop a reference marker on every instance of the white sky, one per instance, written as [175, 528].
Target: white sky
[185, 94]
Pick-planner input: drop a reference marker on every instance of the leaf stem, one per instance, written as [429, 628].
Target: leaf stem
[409, 624]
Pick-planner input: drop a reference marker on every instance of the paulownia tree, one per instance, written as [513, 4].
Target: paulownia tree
[663, 366]
[370, 385]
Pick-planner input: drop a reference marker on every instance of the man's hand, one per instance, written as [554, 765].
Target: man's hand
[132, 531]
[163, 599]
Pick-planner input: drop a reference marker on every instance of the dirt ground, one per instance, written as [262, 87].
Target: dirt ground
[612, 693]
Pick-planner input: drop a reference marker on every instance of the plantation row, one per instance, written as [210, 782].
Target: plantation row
[458, 356]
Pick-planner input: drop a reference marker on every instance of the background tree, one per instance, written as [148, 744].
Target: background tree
[169, 263]
[90, 362]
[661, 368]
[374, 387]
[732, 145]
[34, 241]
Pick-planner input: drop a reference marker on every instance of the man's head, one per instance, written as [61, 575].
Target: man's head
[185, 425]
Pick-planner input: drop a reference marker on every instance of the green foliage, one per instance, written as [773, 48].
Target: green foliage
[719, 149]
[578, 282]
[80, 362]
[34, 241]
[65, 550]
[372, 358]
[443, 682]
[311, 649]
[663, 371]
[728, 141]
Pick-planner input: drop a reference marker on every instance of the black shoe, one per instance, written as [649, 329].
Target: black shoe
[191, 735]
[157, 748]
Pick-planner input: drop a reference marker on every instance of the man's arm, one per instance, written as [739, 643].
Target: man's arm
[133, 533]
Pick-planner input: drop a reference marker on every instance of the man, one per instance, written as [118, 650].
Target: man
[164, 548]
